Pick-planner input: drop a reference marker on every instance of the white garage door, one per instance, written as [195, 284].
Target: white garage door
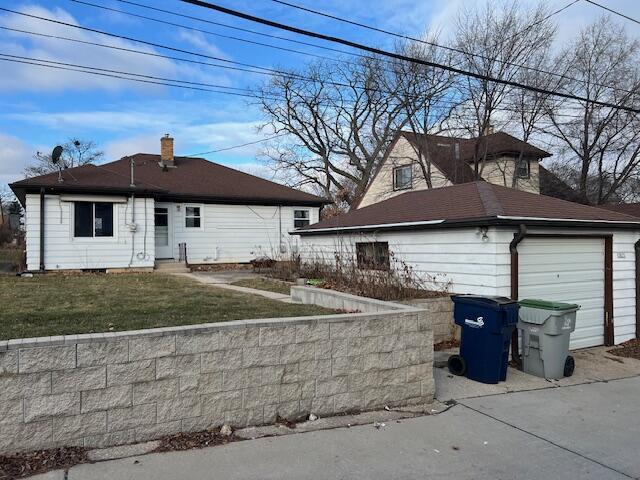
[568, 270]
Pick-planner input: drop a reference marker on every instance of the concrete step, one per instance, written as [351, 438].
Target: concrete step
[171, 267]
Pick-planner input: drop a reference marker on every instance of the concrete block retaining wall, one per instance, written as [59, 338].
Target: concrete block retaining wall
[440, 311]
[99, 390]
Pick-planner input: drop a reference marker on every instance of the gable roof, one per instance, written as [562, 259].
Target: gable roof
[192, 179]
[468, 204]
[632, 209]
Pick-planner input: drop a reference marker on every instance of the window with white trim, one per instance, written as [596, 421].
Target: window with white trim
[522, 168]
[402, 177]
[92, 219]
[192, 217]
[300, 218]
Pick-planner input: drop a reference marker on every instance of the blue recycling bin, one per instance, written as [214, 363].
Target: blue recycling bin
[487, 324]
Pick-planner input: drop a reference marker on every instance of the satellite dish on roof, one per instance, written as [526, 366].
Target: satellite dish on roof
[56, 154]
[55, 159]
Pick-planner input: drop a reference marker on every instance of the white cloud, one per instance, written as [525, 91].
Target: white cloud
[29, 77]
[15, 155]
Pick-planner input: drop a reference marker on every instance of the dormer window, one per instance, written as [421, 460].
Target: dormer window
[522, 168]
[402, 177]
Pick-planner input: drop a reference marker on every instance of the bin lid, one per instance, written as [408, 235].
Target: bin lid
[547, 304]
[487, 301]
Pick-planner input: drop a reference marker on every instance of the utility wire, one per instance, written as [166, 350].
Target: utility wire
[256, 69]
[233, 147]
[620, 14]
[247, 30]
[207, 32]
[398, 56]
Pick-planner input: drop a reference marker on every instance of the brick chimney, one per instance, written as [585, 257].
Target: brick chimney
[166, 151]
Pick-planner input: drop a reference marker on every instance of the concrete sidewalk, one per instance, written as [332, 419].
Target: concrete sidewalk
[583, 431]
[224, 280]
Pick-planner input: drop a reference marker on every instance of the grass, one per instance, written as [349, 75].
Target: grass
[84, 303]
[265, 284]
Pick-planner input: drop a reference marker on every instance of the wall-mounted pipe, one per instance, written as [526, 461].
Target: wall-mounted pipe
[513, 249]
[42, 229]
[637, 249]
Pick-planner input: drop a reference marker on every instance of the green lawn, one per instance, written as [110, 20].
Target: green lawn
[264, 284]
[84, 303]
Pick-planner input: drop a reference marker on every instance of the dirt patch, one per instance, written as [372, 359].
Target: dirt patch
[219, 267]
[446, 345]
[25, 464]
[629, 349]
[189, 441]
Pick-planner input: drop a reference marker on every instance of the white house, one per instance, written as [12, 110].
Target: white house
[134, 211]
[481, 238]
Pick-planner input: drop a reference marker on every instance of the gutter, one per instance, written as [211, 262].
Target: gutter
[366, 227]
[513, 249]
[540, 219]
[42, 229]
[637, 250]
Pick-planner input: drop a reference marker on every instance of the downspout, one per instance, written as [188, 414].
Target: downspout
[637, 249]
[513, 249]
[42, 229]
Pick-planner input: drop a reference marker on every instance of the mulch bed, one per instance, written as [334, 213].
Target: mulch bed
[629, 349]
[190, 441]
[24, 464]
[446, 345]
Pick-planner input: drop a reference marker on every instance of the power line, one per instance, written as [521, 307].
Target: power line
[247, 30]
[450, 48]
[233, 147]
[195, 29]
[399, 56]
[258, 69]
[613, 11]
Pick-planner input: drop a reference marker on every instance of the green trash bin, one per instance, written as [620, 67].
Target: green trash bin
[546, 328]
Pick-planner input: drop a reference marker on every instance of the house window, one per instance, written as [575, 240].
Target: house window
[402, 177]
[300, 218]
[93, 219]
[193, 218]
[373, 255]
[522, 168]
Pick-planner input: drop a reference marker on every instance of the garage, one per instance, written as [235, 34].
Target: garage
[484, 239]
[570, 270]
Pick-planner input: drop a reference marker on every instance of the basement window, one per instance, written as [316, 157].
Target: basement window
[300, 218]
[192, 216]
[522, 168]
[93, 219]
[372, 255]
[402, 177]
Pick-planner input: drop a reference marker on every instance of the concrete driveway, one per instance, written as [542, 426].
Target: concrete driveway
[585, 431]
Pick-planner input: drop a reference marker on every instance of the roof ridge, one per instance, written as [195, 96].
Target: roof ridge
[490, 202]
[103, 167]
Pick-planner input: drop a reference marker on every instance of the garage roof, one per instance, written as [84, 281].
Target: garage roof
[474, 203]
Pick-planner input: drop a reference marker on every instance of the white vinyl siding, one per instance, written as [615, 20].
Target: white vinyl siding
[237, 233]
[471, 265]
[64, 251]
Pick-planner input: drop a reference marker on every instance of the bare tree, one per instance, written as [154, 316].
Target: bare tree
[603, 143]
[498, 40]
[76, 152]
[339, 126]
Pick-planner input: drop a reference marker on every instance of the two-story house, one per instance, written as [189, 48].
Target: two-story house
[419, 162]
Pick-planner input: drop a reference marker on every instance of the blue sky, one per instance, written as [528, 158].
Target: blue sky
[42, 107]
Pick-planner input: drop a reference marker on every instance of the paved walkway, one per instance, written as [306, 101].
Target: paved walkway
[224, 280]
[581, 431]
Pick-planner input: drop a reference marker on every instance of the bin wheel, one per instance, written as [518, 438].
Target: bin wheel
[457, 365]
[569, 366]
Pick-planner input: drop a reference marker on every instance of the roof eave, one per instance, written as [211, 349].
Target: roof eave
[475, 222]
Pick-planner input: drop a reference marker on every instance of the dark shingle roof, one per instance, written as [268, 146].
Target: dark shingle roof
[466, 202]
[191, 179]
[632, 209]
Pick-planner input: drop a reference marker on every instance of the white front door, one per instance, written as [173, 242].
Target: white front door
[567, 270]
[164, 230]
